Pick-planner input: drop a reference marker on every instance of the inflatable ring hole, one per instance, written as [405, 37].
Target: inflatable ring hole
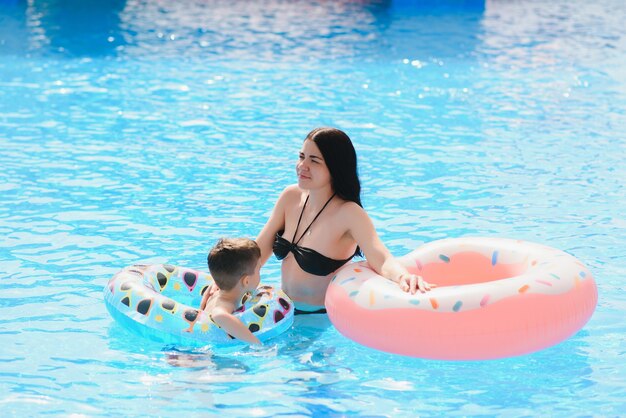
[466, 268]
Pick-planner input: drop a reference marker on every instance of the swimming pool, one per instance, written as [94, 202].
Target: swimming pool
[141, 131]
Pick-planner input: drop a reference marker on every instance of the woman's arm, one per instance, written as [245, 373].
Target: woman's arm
[275, 223]
[361, 228]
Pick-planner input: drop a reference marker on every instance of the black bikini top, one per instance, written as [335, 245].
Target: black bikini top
[309, 260]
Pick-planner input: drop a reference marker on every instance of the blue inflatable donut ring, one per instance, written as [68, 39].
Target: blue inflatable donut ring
[161, 302]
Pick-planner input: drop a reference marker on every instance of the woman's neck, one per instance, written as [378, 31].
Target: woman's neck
[319, 197]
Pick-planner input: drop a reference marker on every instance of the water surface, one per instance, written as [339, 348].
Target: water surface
[136, 131]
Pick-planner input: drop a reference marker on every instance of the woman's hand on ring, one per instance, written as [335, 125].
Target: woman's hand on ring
[412, 283]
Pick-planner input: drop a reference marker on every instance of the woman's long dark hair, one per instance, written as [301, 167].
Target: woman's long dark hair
[340, 157]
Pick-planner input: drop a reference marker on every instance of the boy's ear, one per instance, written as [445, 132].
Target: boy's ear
[244, 280]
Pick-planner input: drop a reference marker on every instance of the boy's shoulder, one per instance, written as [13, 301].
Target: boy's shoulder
[218, 312]
[222, 308]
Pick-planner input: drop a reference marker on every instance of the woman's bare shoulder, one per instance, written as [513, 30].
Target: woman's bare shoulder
[351, 207]
[292, 189]
[291, 192]
[357, 223]
[289, 195]
[351, 211]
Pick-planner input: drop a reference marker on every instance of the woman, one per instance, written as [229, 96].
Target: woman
[318, 225]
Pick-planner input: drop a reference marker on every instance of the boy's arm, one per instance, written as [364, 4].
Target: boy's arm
[233, 326]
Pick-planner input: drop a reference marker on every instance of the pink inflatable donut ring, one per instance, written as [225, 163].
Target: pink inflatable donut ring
[495, 298]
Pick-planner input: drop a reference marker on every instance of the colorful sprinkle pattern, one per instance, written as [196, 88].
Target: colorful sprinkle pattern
[546, 270]
[164, 300]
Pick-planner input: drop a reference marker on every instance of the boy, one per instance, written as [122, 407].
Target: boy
[234, 264]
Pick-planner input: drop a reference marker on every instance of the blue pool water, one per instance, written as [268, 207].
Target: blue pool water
[141, 131]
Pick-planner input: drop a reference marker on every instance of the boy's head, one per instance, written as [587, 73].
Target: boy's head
[231, 259]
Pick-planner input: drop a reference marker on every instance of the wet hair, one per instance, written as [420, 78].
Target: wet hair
[340, 158]
[232, 258]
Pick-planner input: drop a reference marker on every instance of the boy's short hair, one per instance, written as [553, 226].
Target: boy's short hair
[230, 259]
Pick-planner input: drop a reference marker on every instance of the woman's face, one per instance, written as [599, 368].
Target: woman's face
[311, 168]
